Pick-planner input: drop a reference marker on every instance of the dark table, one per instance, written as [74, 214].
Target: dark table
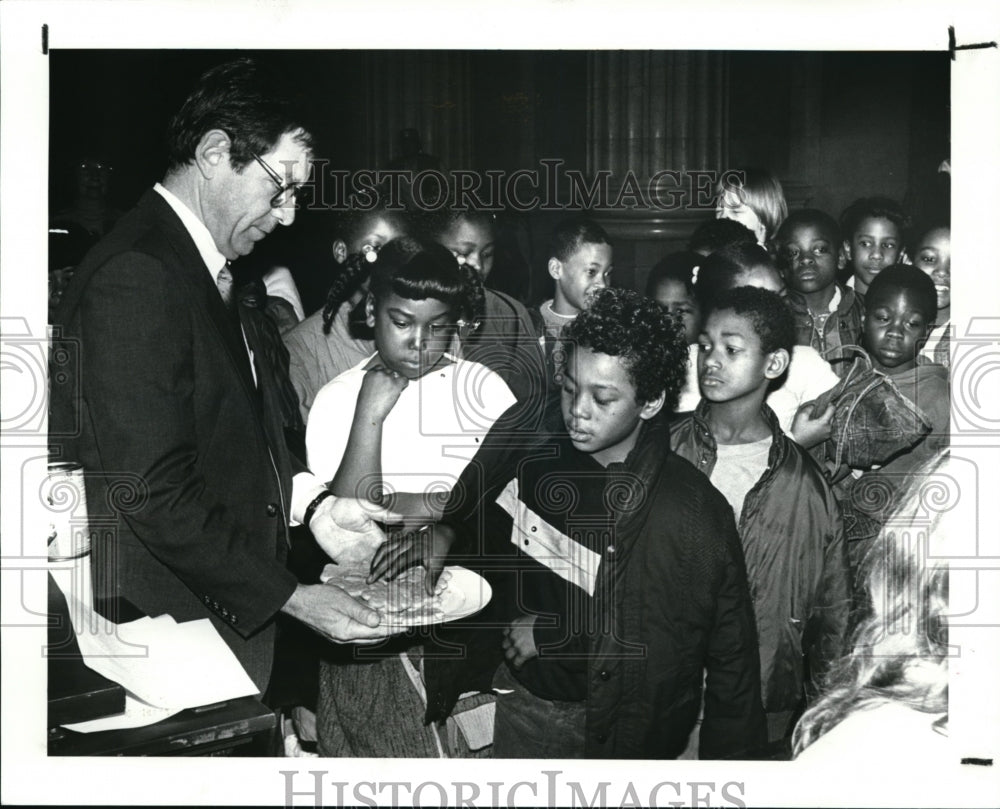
[236, 727]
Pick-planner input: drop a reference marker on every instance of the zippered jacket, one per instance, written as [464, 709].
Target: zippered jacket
[793, 542]
[671, 586]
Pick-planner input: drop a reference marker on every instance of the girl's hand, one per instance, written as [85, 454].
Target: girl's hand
[519, 641]
[379, 393]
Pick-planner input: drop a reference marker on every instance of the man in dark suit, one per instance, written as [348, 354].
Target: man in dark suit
[190, 486]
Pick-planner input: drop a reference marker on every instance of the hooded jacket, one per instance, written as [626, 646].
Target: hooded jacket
[793, 542]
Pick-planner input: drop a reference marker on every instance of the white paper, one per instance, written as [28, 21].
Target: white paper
[137, 714]
[160, 662]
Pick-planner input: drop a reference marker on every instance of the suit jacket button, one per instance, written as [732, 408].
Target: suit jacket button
[272, 509]
[602, 738]
[605, 675]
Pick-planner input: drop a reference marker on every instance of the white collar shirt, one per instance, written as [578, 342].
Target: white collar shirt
[203, 240]
[209, 253]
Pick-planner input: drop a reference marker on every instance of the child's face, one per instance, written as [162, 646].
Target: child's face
[599, 406]
[471, 244]
[809, 258]
[894, 329]
[730, 206]
[674, 297]
[731, 363]
[582, 274]
[934, 258]
[875, 245]
[410, 336]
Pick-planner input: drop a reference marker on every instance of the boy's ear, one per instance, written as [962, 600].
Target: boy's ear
[370, 311]
[777, 362]
[340, 251]
[555, 268]
[652, 407]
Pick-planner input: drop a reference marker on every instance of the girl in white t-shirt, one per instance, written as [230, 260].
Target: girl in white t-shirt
[403, 424]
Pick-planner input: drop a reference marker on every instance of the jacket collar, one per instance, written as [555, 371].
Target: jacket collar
[650, 446]
[703, 435]
[632, 481]
[843, 300]
[192, 270]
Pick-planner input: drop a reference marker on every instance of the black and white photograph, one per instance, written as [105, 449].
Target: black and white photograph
[575, 392]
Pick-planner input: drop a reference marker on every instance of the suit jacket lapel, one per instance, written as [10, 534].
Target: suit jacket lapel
[229, 325]
[192, 271]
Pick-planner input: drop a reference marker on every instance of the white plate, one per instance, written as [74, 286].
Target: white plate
[465, 594]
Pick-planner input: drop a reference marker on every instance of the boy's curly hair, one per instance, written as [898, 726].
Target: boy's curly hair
[622, 323]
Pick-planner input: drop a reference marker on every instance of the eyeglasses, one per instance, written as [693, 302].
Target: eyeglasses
[285, 193]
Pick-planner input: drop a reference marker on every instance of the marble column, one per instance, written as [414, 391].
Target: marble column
[650, 112]
[430, 91]
[654, 110]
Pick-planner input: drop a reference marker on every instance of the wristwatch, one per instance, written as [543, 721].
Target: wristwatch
[311, 508]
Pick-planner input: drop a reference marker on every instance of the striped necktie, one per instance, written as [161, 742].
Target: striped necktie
[224, 282]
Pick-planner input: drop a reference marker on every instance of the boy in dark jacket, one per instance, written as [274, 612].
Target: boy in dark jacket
[788, 519]
[617, 571]
[827, 315]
